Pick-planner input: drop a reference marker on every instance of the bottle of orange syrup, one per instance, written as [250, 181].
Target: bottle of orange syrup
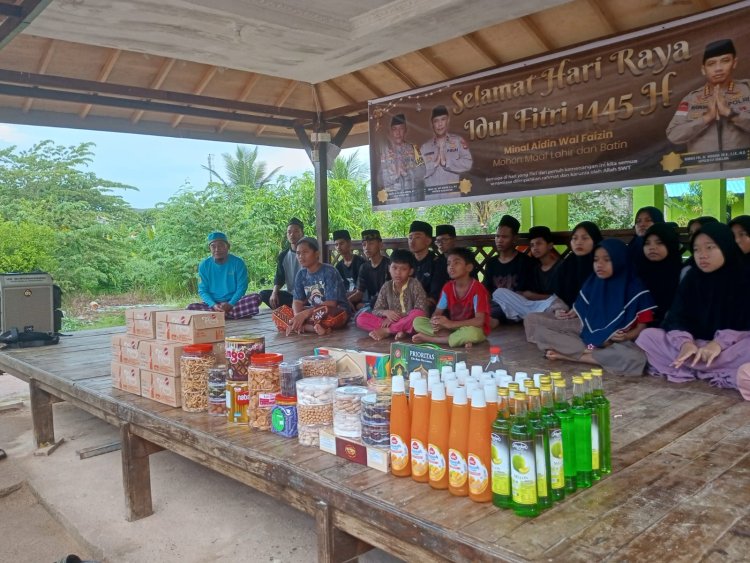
[400, 429]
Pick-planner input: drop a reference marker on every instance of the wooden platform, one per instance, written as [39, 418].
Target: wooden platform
[680, 489]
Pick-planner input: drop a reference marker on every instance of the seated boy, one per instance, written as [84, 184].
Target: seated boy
[400, 301]
[320, 302]
[466, 302]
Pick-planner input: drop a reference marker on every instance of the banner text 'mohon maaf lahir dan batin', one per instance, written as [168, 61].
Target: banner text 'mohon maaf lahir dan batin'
[666, 104]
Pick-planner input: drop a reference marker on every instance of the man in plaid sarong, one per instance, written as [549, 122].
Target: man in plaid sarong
[223, 282]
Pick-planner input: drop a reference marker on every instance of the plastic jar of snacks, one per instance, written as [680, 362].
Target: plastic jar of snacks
[314, 407]
[217, 384]
[376, 408]
[321, 365]
[347, 411]
[195, 362]
[264, 383]
[351, 379]
[290, 373]
[378, 435]
[284, 416]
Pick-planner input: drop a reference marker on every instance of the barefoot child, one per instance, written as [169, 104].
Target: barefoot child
[320, 302]
[466, 302]
[401, 300]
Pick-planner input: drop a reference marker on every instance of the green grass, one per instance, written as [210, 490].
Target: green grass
[101, 321]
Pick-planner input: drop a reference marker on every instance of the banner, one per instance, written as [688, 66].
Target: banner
[665, 104]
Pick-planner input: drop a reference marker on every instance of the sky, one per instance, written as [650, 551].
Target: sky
[160, 166]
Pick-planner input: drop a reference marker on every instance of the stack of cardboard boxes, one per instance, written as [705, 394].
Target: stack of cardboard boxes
[146, 360]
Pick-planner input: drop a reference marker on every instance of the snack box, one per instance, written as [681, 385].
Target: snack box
[125, 349]
[190, 327]
[406, 358]
[141, 321]
[376, 366]
[164, 357]
[375, 458]
[127, 378]
[162, 388]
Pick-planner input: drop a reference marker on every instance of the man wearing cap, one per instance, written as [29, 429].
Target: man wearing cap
[373, 273]
[446, 156]
[445, 240]
[349, 264]
[535, 293]
[507, 269]
[223, 282]
[287, 267]
[716, 116]
[401, 165]
[431, 270]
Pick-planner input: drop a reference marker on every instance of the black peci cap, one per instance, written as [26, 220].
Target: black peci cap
[341, 234]
[371, 234]
[437, 111]
[398, 119]
[295, 221]
[421, 227]
[445, 230]
[718, 48]
[510, 222]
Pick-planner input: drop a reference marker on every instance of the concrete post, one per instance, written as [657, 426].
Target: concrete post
[644, 196]
[714, 198]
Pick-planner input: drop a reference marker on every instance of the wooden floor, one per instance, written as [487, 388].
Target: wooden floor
[679, 491]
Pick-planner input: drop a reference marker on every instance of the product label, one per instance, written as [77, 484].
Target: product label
[419, 463]
[523, 472]
[399, 452]
[557, 471]
[478, 474]
[266, 400]
[457, 470]
[541, 466]
[436, 460]
[594, 442]
[500, 464]
[278, 422]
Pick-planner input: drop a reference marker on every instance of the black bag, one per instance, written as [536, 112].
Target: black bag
[28, 339]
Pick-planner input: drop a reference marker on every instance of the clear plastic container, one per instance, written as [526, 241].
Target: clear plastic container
[310, 435]
[315, 400]
[290, 373]
[264, 383]
[376, 408]
[321, 365]
[347, 410]
[195, 362]
[217, 384]
[351, 379]
[377, 435]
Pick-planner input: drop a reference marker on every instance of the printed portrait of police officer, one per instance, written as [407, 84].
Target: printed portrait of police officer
[446, 156]
[401, 165]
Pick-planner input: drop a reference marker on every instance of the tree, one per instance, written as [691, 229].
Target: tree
[243, 170]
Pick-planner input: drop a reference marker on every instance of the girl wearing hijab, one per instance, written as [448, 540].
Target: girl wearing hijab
[614, 307]
[740, 226]
[706, 333]
[644, 218]
[660, 271]
[693, 226]
[570, 277]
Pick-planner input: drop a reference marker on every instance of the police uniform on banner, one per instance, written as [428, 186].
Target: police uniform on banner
[457, 160]
[402, 169]
[726, 133]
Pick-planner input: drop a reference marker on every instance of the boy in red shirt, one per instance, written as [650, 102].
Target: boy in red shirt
[466, 303]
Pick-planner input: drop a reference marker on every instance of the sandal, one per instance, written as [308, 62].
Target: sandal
[3, 455]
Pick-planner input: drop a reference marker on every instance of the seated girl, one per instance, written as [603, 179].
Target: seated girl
[660, 272]
[320, 302]
[740, 226]
[644, 218]
[706, 333]
[614, 307]
[466, 302]
[574, 270]
[401, 300]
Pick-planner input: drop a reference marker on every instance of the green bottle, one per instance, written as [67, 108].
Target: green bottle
[501, 493]
[522, 461]
[565, 414]
[588, 393]
[554, 431]
[541, 450]
[602, 410]
[582, 430]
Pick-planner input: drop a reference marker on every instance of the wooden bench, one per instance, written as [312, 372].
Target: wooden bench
[681, 480]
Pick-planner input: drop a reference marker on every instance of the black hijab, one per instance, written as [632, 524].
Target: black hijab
[715, 301]
[744, 222]
[635, 246]
[575, 270]
[662, 278]
[704, 220]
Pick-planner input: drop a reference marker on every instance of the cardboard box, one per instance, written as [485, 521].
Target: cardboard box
[125, 349]
[190, 327]
[376, 366]
[347, 448]
[406, 358]
[162, 388]
[164, 357]
[141, 321]
[126, 377]
[115, 370]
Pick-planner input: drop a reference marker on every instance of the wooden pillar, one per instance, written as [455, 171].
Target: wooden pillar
[714, 198]
[41, 415]
[333, 544]
[136, 474]
[645, 196]
[320, 162]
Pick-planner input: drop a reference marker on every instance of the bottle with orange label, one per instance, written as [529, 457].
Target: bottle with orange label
[478, 445]
[458, 474]
[420, 427]
[400, 429]
[437, 448]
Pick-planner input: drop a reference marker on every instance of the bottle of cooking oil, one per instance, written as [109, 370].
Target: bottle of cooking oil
[565, 415]
[522, 461]
[602, 410]
[556, 452]
[582, 430]
[501, 493]
[588, 394]
[541, 450]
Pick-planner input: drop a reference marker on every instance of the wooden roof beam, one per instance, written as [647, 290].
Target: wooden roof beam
[340, 91]
[431, 62]
[155, 84]
[104, 73]
[604, 15]
[531, 27]
[367, 84]
[249, 85]
[43, 65]
[207, 77]
[20, 16]
[476, 43]
[400, 74]
[280, 101]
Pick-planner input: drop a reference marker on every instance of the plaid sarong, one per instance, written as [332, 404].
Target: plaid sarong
[248, 306]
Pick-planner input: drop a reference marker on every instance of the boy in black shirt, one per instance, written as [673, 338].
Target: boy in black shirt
[431, 270]
[373, 273]
[349, 264]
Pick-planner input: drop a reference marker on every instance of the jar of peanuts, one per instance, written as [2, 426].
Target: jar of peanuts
[314, 407]
[321, 365]
[195, 362]
[264, 383]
